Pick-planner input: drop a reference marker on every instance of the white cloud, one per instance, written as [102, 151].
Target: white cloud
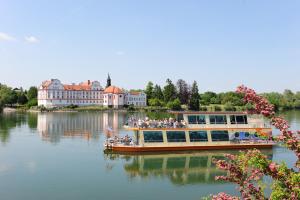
[31, 39]
[6, 37]
[120, 53]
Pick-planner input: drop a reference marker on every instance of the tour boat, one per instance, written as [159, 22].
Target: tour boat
[196, 131]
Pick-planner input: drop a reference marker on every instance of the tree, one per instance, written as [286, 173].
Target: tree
[149, 91]
[170, 93]
[7, 95]
[209, 98]
[157, 92]
[32, 93]
[231, 98]
[22, 98]
[156, 102]
[194, 103]
[174, 105]
[183, 91]
[247, 168]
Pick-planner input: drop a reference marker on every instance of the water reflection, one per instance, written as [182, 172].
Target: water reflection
[8, 121]
[53, 126]
[180, 168]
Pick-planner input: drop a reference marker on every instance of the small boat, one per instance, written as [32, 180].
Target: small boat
[195, 131]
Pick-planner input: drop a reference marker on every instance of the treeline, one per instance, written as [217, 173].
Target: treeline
[17, 97]
[285, 101]
[181, 95]
[174, 96]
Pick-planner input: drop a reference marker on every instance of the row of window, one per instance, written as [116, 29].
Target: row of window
[217, 119]
[179, 136]
[136, 99]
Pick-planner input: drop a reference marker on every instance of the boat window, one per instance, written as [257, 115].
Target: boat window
[219, 136]
[198, 136]
[153, 136]
[217, 119]
[196, 119]
[176, 136]
[238, 119]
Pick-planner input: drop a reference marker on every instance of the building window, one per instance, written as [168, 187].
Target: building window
[196, 119]
[238, 119]
[198, 136]
[219, 136]
[217, 119]
[153, 136]
[176, 136]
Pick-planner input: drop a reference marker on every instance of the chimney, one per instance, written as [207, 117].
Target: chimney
[89, 82]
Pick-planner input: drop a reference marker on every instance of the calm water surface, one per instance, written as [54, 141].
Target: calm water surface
[60, 156]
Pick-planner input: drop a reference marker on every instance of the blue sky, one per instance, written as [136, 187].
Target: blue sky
[220, 44]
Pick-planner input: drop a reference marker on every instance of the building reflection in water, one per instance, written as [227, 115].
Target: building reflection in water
[53, 126]
[179, 168]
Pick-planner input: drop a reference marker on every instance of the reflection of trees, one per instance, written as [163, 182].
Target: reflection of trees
[180, 168]
[32, 120]
[9, 121]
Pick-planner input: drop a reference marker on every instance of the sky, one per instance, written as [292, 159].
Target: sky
[220, 44]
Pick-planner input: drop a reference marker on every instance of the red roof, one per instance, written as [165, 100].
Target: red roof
[77, 87]
[113, 90]
[46, 84]
[135, 93]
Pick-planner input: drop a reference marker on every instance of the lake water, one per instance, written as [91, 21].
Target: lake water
[60, 156]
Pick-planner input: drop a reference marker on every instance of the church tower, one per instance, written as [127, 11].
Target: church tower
[108, 83]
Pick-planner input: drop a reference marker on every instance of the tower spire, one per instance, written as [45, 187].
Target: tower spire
[108, 83]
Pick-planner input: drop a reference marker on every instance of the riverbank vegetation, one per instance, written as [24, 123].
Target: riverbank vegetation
[187, 97]
[172, 96]
[17, 97]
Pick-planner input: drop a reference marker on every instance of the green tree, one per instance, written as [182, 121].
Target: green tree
[32, 102]
[231, 98]
[170, 93]
[22, 98]
[276, 99]
[32, 93]
[156, 102]
[194, 103]
[174, 105]
[209, 98]
[183, 91]
[7, 95]
[149, 91]
[157, 92]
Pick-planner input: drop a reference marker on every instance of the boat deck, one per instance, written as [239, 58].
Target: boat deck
[140, 148]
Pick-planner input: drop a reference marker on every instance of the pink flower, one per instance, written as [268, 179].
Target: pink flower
[273, 167]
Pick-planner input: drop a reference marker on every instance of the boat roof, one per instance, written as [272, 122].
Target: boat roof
[209, 113]
[194, 129]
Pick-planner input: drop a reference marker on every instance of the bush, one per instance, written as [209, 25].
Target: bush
[174, 105]
[217, 108]
[229, 107]
[155, 102]
[32, 102]
[203, 108]
[72, 106]
[130, 107]
[297, 104]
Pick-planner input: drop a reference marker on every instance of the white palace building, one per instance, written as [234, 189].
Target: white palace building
[52, 93]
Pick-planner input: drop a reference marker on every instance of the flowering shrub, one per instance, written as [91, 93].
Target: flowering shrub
[247, 168]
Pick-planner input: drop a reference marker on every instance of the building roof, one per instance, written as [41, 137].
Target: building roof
[209, 112]
[77, 87]
[46, 84]
[113, 90]
[135, 93]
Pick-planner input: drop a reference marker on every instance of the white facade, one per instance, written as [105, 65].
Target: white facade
[137, 99]
[53, 93]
